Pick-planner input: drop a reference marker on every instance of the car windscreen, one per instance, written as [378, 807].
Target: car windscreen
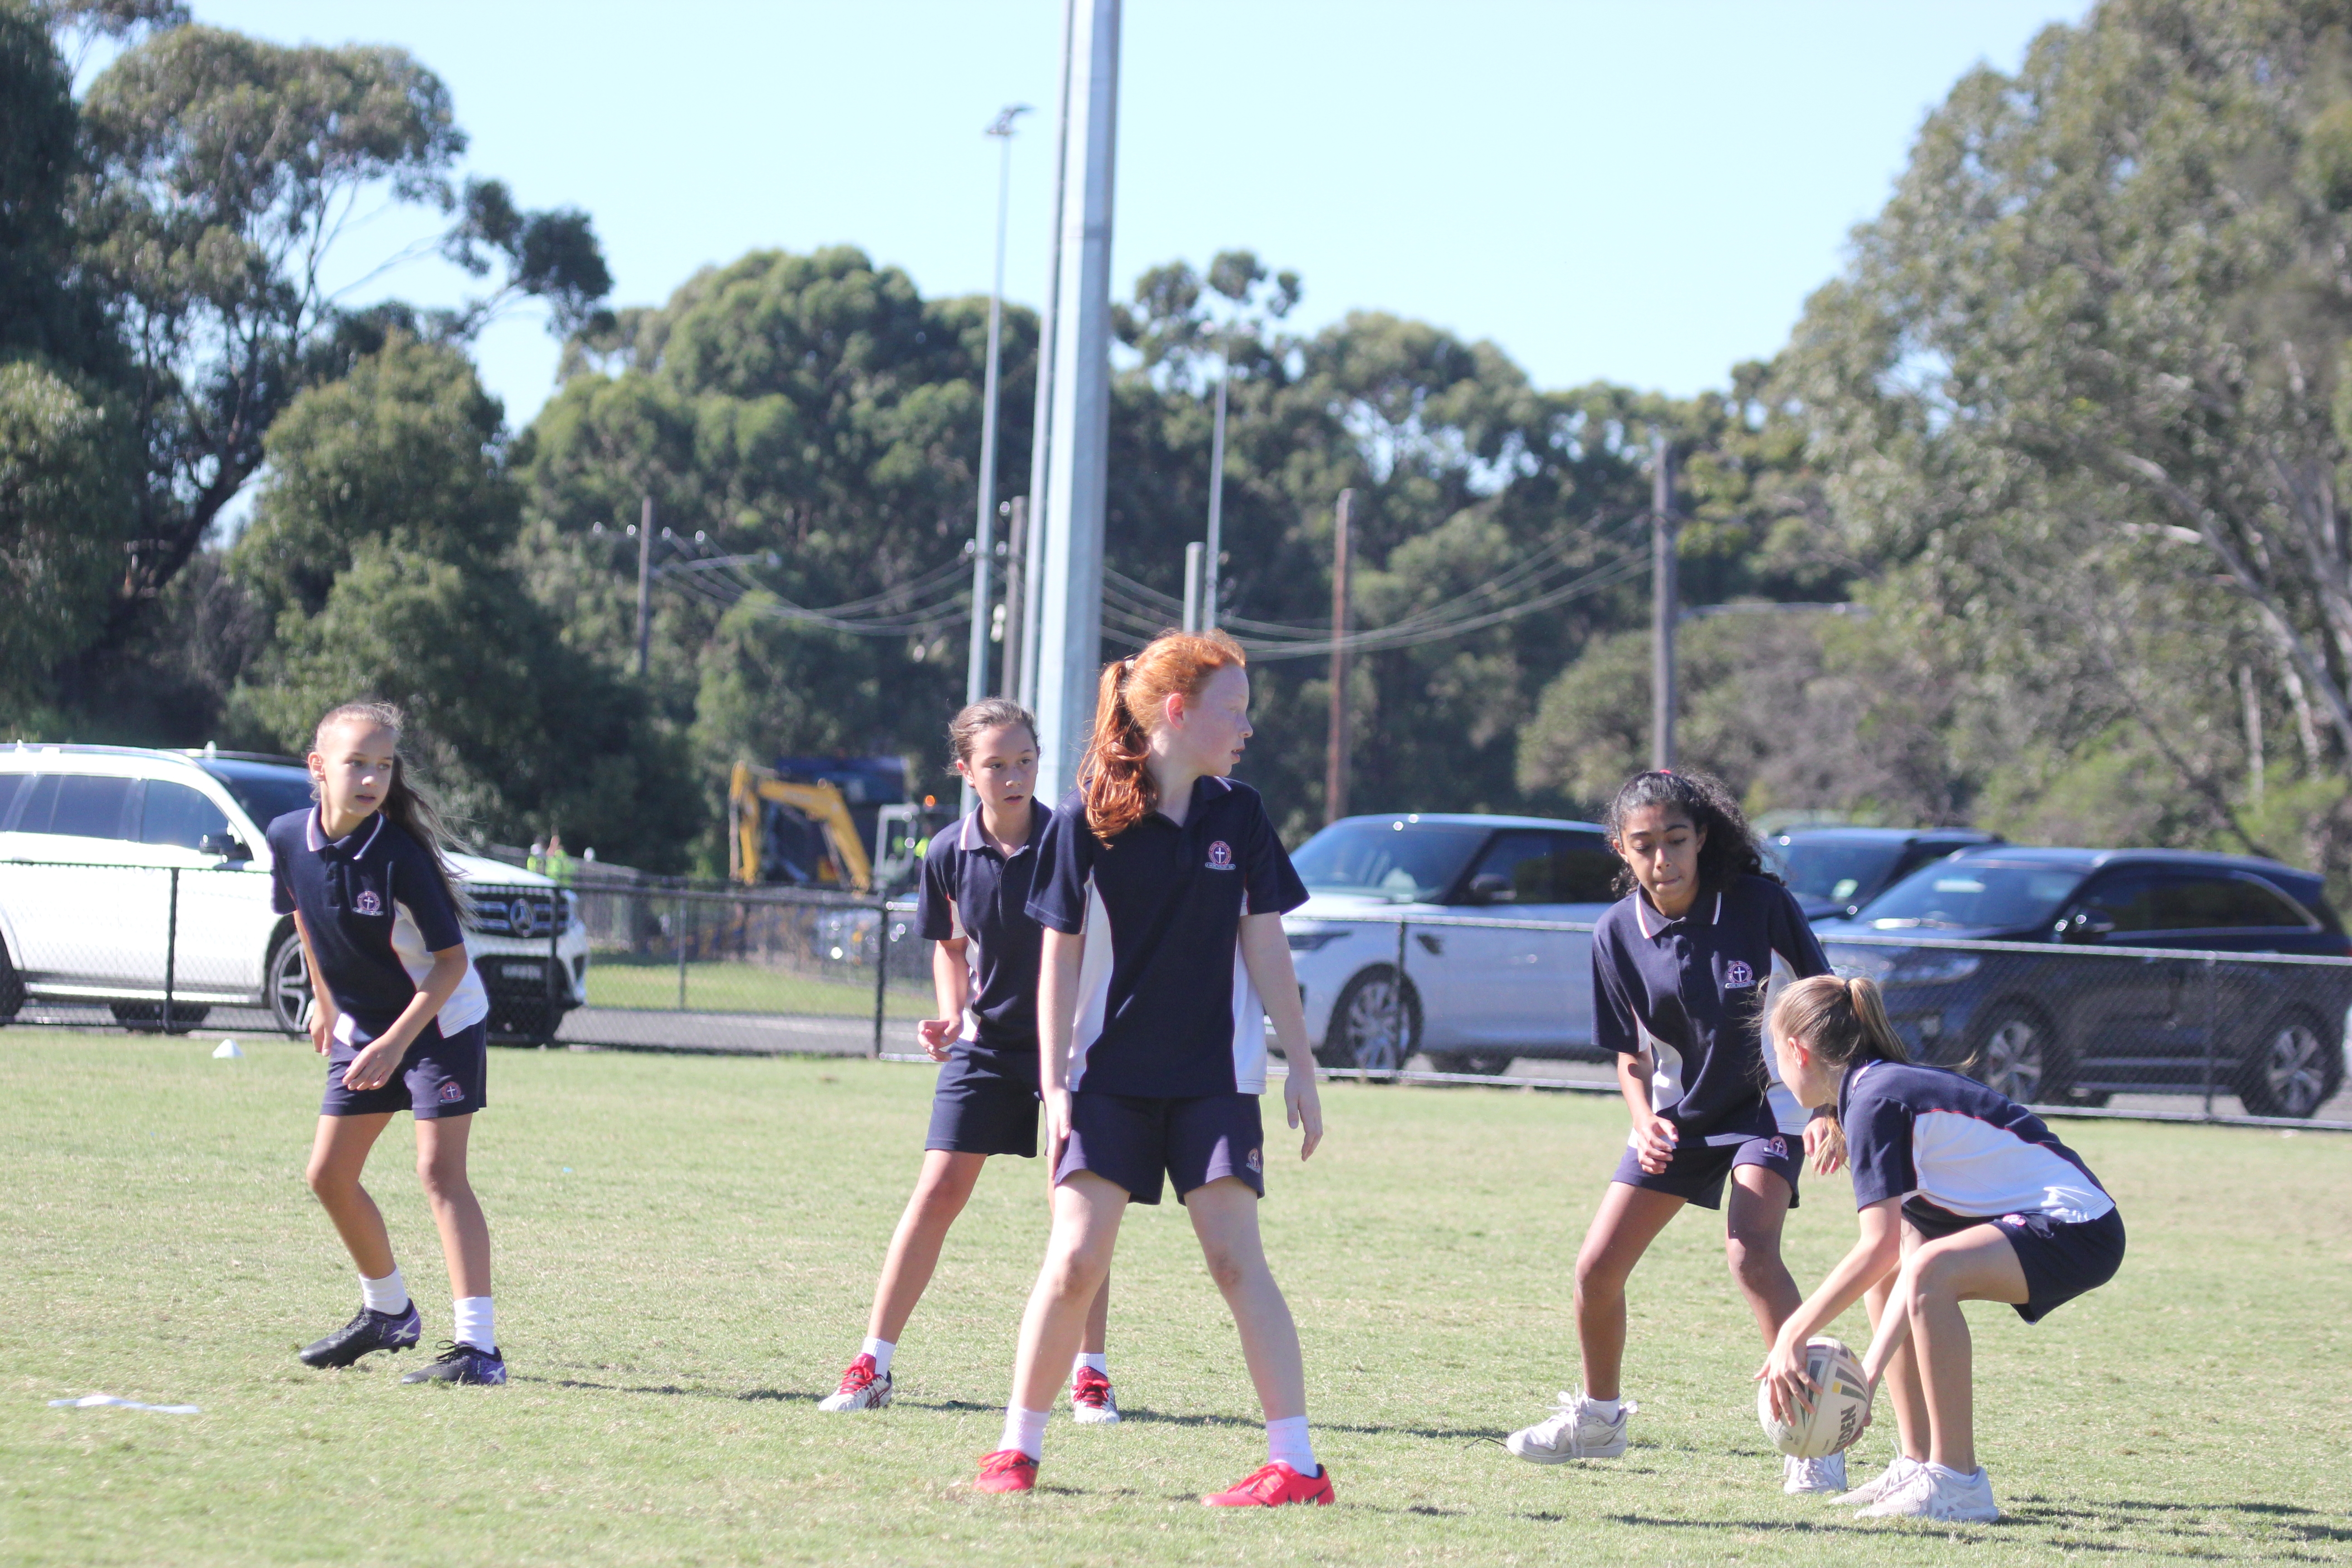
[1840, 873]
[1973, 893]
[1404, 862]
[267, 791]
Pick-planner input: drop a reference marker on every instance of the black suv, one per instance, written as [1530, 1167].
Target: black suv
[1833, 872]
[2073, 1023]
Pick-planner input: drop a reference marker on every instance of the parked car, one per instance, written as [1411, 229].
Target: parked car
[1833, 872]
[85, 916]
[1473, 997]
[2073, 1025]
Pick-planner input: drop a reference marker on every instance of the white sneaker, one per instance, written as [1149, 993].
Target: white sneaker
[1826, 1476]
[1574, 1432]
[862, 1388]
[1092, 1402]
[1967, 1500]
[1878, 1486]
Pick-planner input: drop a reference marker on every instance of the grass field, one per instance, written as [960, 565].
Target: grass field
[729, 987]
[686, 1248]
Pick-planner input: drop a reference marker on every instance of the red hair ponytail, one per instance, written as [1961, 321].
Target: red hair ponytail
[1132, 693]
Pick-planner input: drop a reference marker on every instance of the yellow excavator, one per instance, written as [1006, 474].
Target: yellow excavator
[840, 862]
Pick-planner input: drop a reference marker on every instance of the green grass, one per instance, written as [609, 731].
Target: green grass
[685, 1250]
[719, 987]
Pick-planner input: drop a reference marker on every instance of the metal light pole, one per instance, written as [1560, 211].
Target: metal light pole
[1041, 429]
[1665, 604]
[983, 533]
[1217, 496]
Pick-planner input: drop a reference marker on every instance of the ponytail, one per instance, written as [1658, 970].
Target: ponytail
[1116, 786]
[1842, 1022]
[409, 808]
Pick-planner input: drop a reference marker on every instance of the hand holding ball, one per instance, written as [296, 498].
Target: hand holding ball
[1840, 1410]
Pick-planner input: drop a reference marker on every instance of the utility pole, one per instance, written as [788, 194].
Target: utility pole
[1041, 426]
[1335, 762]
[1069, 588]
[1192, 553]
[644, 585]
[1665, 603]
[1016, 587]
[983, 533]
[1216, 499]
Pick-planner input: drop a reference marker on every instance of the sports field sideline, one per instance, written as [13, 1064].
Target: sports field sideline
[685, 1248]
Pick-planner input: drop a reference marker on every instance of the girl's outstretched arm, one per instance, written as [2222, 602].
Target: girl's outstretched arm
[1265, 954]
[1877, 1253]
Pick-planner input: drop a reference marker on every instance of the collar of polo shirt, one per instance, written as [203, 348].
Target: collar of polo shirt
[320, 842]
[1643, 910]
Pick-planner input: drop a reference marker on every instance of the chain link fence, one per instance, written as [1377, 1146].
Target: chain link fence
[2074, 1029]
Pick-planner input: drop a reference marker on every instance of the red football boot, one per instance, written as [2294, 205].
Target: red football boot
[1274, 1485]
[1008, 1470]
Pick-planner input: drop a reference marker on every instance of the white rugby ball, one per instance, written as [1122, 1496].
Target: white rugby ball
[1839, 1409]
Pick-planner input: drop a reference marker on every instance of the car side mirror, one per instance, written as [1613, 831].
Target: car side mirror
[228, 846]
[2084, 926]
[1490, 888]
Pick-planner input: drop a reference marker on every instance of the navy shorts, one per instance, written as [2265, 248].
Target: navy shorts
[1132, 1140]
[986, 1102]
[2061, 1258]
[1701, 1166]
[443, 1075]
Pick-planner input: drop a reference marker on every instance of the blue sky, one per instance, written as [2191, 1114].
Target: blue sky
[1643, 192]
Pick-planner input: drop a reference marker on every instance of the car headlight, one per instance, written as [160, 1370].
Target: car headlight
[1932, 966]
[1314, 941]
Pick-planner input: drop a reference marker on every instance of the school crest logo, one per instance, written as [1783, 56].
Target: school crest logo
[452, 1092]
[369, 902]
[1221, 855]
[1779, 1148]
[1736, 975]
[1253, 1162]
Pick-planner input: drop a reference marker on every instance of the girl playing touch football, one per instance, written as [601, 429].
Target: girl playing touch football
[1679, 967]
[1965, 1196]
[1161, 886]
[398, 1012]
[975, 905]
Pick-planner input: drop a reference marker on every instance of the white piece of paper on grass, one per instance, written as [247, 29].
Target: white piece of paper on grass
[93, 1401]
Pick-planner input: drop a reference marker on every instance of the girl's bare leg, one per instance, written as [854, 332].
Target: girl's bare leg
[1627, 1221]
[1904, 1389]
[465, 1234]
[338, 1153]
[1097, 1338]
[1087, 1212]
[1224, 1218]
[1974, 1265]
[1757, 1206]
[942, 1190]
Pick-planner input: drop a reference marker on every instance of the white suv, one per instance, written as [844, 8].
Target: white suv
[90, 837]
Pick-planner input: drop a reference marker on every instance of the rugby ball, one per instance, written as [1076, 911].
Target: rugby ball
[1839, 1409]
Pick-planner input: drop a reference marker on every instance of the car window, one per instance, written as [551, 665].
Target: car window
[175, 814]
[1406, 862]
[82, 805]
[1522, 860]
[1955, 894]
[1586, 872]
[2212, 903]
[2125, 901]
[9, 784]
[1842, 873]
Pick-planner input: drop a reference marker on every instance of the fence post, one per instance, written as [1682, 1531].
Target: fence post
[170, 950]
[2212, 1018]
[555, 975]
[1396, 1002]
[881, 971]
[683, 907]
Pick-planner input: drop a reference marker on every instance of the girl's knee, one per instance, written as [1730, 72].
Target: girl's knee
[1599, 1274]
[443, 1182]
[325, 1181]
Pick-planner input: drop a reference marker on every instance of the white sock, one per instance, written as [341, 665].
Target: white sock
[389, 1294]
[474, 1323]
[1604, 1408]
[1101, 1363]
[1024, 1430]
[881, 1351]
[1287, 1443]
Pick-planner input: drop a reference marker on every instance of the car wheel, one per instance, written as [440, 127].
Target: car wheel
[2294, 1069]
[1484, 1064]
[2016, 1053]
[289, 985]
[1362, 1031]
[150, 1016]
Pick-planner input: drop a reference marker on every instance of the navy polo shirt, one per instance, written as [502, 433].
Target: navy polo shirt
[1166, 1009]
[1970, 1150]
[1694, 988]
[970, 890]
[376, 912]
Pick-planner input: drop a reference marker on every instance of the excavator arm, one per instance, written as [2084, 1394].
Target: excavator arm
[750, 787]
